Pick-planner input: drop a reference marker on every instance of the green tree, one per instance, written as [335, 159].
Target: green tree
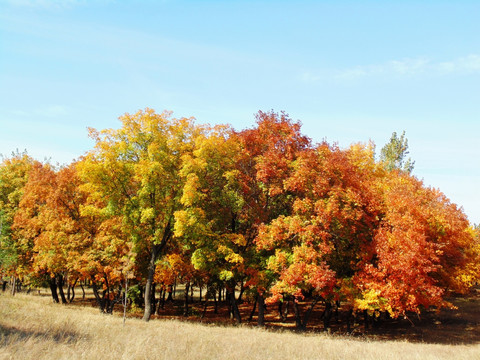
[393, 154]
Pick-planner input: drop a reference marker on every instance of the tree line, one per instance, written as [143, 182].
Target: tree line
[262, 211]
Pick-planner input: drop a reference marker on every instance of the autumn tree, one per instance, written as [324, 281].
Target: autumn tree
[135, 171]
[30, 224]
[422, 248]
[317, 248]
[207, 223]
[66, 238]
[14, 256]
[234, 184]
[269, 152]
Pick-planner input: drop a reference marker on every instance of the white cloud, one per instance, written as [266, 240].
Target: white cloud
[53, 111]
[405, 67]
[42, 3]
[49, 111]
[49, 4]
[408, 67]
[467, 64]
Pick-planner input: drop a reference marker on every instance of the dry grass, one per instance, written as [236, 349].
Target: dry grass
[33, 328]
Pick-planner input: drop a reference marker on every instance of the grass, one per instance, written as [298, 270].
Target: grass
[31, 327]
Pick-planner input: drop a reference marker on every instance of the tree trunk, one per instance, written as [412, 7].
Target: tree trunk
[53, 289]
[250, 318]
[234, 307]
[4, 285]
[365, 319]
[72, 286]
[14, 285]
[116, 299]
[327, 316]
[376, 319]
[337, 307]
[163, 297]
[125, 300]
[154, 301]
[307, 315]
[349, 320]
[283, 309]
[100, 301]
[215, 311]
[156, 250]
[149, 285]
[161, 300]
[59, 279]
[73, 294]
[206, 302]
[83, 291]
[242, 289]
[298, 318]
[229, 306]
[170, 293]
[261, 310]
[185, 307]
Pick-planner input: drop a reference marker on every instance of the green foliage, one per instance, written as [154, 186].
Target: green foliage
[135, 295]
[393, 154]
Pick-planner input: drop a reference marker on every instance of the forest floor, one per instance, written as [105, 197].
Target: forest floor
[447, 326]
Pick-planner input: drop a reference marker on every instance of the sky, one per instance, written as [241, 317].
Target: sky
[350, 71]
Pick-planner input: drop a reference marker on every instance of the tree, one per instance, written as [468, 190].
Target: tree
[269, 152]
[422, 248]
[234, 183]
[135, 172]
[206, 226]
[316, 248]
[30, 223]
[64, 236]
[14, 172]
[393, 154]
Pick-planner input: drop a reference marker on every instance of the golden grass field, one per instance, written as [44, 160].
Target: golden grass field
[31, 327]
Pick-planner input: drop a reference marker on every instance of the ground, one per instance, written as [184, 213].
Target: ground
[447, 326]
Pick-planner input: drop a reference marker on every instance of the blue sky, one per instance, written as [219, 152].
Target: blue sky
[349, 71]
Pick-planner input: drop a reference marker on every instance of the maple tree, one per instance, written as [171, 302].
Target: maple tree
[420, 247]
[320, 243]
[269, 152]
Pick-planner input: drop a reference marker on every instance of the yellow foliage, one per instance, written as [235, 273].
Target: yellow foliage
[371, 301]
[147, 215]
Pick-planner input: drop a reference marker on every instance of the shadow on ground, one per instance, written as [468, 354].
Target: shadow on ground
[13, 334]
